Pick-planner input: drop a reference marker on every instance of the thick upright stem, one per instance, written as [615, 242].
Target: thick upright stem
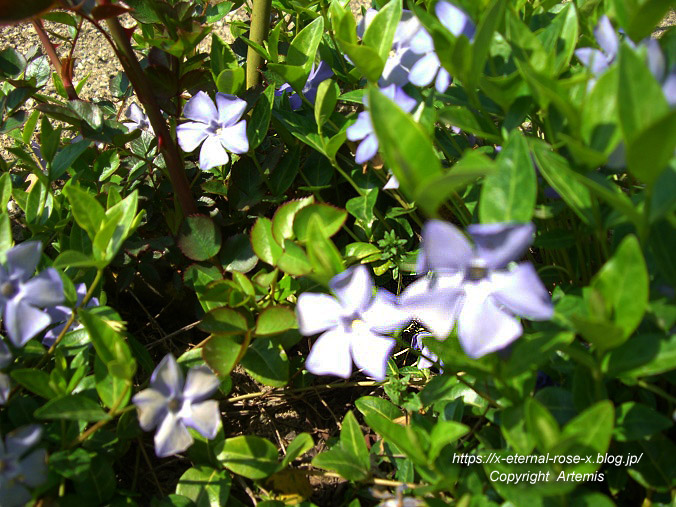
[260, 23]
[54, 58]
[167, 144]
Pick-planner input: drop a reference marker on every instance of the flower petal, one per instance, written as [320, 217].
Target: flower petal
[152, 407]
[200, 383]
[499, 244]
[443, 80]
[5, 355]
[435, 306]
[230, 109]
[234, 138]
[669, 88]
[354, 289]
[23, 322]
[422, 42]
[455, 20]
[330, 355]
[367, 149]
[135, 113]
[201, 108]
[34, 468]
[593, 59]
[317, 313]
[371, 352]
[392, 183]
[167, 378]
[295, 101]
[190, 135]
[522, 292]
[46, 289]
[23, 259]
[15, 495]
[607, 38]
[656, 62]
[172, 437]
[482, 327]
[212, 153]
[385, 314]
[361, 128]
[17, 442]
[204, 417]
[424, 70]
[445, 247]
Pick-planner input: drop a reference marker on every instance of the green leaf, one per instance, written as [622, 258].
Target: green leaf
[64, 159]
[491, 19]
[75, 259]
[542, 425]
[342, 462]
[71, 464]
[72, 407]
[380, 32]
[275, 320]
[250, 456]
[640, 99]
[642, 356]
[635, 421]
[12, 63]
[509, 194]
[220, 352]
[444, 433]
[472, 121]
[110, 346]
[205, 486]
[405, 146]
[106, 164]
[362, 207]
[263, 242]
[199, 238]
[299, 446]
[231, 81]
[656, 468]
[639, 18]
[87, 211]
[35, 381]
[87, 111]
[282, 221]
[648, 154]
[98, 484]
[294, 261]
[237, 255]
[120, 220]
[5, 190]
[323, 255]
[304, 45]
[560, 36]
[514, 428]
[325, 101]
[257, 128]
[267, 362]
[330, 218]
[224, 320]
[222, 57]
[353, 443]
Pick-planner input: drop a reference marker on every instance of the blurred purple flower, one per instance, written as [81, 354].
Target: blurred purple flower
[22, 295]
[362, 129]
[317, 75]
[60, 314]
[20, 469]
[352, 325]
[217, 125]
[172, 406]
[657, 65]
[5, 359]
[597, 61]
[473, 285]
[430, 357]
[429, 68]
[139, 120]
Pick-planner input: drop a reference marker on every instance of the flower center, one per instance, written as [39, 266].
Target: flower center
[174, 405]
[477, 271]
[7, 289]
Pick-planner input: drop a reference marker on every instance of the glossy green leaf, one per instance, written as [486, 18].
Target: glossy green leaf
[263, 241]
[224, 320]
[304, 45]
[294, 260]
[220, 352]
[237, 255]
[275, 320]
[325, 101]
[642, 356]
[205, 486]
[267, 362]
[231, 81]
[352, 441]
[199, 238]
[362, 207]
[257, 127]
[515, 430]
[64, 159]
[73, 407]
[87, 211]
[380, 32]
[324, 257]
[542, 425]
[471, 121]
[282, 221]
[35, 381]
[110, 346]
[648, 154]
[330, 218]
[342, 462]
[299, 446]
[635, 421]
[250, 456]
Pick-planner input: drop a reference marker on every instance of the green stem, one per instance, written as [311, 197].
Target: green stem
[260, 23]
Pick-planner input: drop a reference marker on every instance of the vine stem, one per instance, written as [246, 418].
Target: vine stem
[260, 23]
[98, 425]
[54, 58]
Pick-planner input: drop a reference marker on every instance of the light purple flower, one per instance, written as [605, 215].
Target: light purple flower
[172, 406]
[5, 359]
[657, 65]
[60, 314]
[139, 120]
[597, 61]
[20, 469]
[430, 357]
[22, 295]
[362, 129]
[473, 285]
[429, 68]
[392, 183]
[218, 126]
[353, 325]
[317, 75]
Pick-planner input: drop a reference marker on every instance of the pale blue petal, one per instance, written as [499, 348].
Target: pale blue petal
[353, 288]
[295, 101]
[435, 306]
[406, 29]
[23, 322]
[317, 313]
[46, 289]
[361, 128]
[23, 259]
[607, 38]
[446, 248]
[234, 138]
[190, 135]
[482, 327]
[499, 244]
[212, 153]
[371, 352]
[443, 80]
[168, 377]
[135, 114]
[34, 468]
[200, 383]
[593, 59]
[455, 20]
[201, 108]
[385, 314]
[669, 88]
[656, 62]
[392, 183]
[172, 437]
[330, 355]
[424, 70]
[522, 292]
[367, 149]
[230, 109]
[17, 442]
[204, 417]
[152, 407]
[422, 42]
[405, 102]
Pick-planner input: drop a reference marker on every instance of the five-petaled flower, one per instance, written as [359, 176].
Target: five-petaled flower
[353, 325]
[20, 469]
[22, 295]
[472, 285]
[317, 74]
[218, 126]
[172, 406]
[362, 129]
[597, 61]
[139, 120]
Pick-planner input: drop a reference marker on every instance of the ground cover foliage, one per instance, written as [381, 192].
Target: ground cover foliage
[341, 262]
